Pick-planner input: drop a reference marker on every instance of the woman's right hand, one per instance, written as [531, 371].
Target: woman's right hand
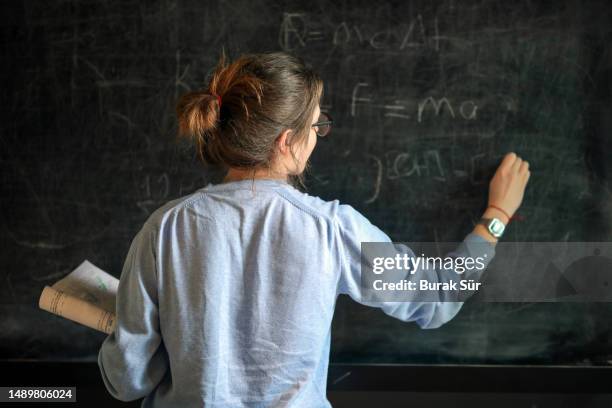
[507, 186]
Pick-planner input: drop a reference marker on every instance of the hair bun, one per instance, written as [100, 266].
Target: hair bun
[198, 113]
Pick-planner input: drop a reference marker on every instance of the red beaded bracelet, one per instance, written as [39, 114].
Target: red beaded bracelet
[502, 210]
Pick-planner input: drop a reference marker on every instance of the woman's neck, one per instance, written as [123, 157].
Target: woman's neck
[235, 174]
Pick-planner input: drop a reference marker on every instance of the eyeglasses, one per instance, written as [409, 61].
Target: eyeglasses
[323, 126]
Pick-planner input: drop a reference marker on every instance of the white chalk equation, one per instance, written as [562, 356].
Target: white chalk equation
[409, 109]
[431, 164]
[300, 30]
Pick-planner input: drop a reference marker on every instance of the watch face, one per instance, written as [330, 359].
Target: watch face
[496, 227]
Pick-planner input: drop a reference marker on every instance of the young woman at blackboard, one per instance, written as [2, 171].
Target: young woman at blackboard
[227, 295]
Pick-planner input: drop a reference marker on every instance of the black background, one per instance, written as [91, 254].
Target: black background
[88, 147]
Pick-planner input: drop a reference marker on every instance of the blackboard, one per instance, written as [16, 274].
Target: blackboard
[427, 97]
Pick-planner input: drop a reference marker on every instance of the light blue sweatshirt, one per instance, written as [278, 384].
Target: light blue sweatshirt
[227, 295]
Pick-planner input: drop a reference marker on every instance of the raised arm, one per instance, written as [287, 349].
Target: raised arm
[505, 196]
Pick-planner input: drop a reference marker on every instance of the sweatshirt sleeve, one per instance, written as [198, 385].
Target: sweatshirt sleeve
[354, 229]
[133, 359]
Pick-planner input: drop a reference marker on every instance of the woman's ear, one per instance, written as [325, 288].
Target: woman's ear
[282, 142]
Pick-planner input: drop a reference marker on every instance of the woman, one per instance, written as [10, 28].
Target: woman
[227, 295]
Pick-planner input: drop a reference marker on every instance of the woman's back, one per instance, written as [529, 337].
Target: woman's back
[242, 278]
[239, 286]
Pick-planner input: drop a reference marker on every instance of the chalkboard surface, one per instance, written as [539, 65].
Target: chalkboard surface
[427, 97]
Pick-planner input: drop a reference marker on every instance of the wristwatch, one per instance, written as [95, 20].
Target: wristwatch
[494, 226]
